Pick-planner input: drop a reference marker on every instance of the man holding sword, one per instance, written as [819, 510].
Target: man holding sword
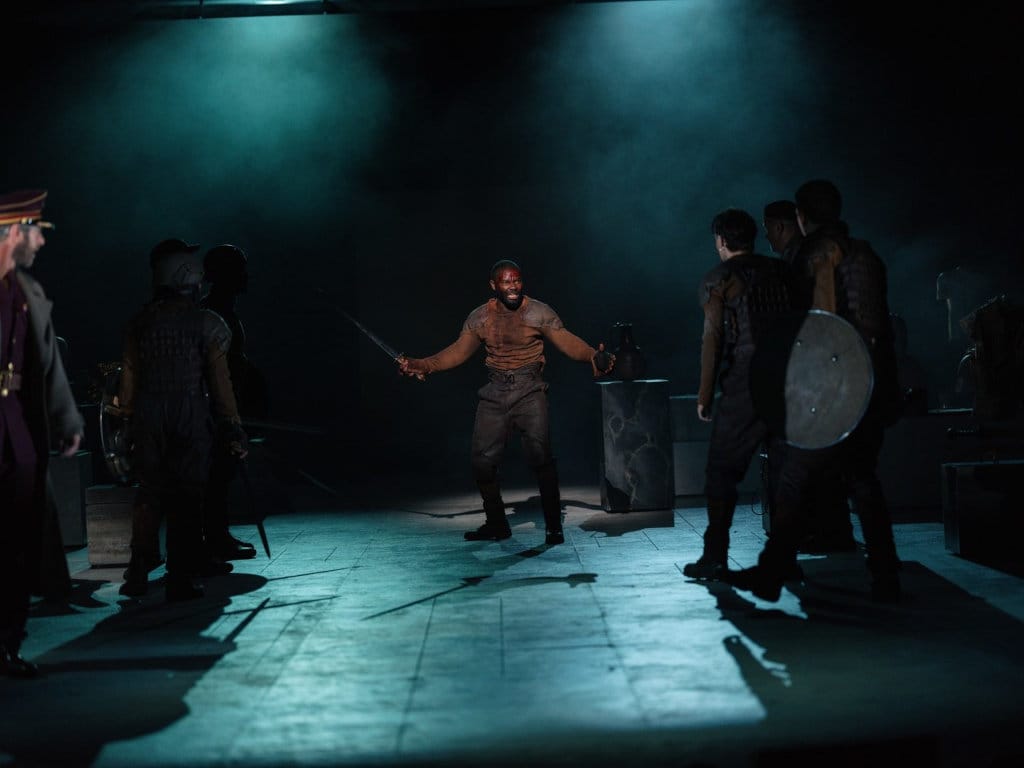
[512, 328]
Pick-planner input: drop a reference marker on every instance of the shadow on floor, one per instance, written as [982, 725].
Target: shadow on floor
[800, 667]
[79, 596]
[494, 587]
[525, 510]
[109, 685]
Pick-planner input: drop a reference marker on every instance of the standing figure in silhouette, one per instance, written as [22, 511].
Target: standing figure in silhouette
[176, 394]
[37, 412]
[847, 278]
[827, 517]
[740, 297]
[225, 268]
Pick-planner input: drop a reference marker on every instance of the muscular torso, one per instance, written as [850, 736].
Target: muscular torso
[512, 339]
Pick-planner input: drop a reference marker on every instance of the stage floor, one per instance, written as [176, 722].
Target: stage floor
[377, 636]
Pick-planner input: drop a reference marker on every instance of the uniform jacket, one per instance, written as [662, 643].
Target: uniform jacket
[52, 417]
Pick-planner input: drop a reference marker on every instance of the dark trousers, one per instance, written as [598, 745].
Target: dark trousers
[856, 460]
[173, 438]
[223, 470]
[737, 433]
[515, 402]
[20, 507]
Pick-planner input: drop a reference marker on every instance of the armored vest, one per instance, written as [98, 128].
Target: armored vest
[861, 291]
[171, 338]
[862, 299]
[767, 293]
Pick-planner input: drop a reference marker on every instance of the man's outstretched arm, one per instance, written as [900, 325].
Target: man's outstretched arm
[451, 356]
[575, 348]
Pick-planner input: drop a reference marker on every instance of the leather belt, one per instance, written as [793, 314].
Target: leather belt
[510, 377]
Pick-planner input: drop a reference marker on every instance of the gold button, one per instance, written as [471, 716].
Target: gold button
[3, 393]
[10, 366]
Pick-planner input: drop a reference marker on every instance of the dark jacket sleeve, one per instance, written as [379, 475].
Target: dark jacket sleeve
[222, 393]
[63, 416]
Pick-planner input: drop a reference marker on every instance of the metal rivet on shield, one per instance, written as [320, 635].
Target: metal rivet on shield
[835, 358]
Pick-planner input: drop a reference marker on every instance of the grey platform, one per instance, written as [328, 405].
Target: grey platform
[377, 636]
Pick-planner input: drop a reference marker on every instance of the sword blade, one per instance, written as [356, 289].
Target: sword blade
[387, 348]
[263, 538]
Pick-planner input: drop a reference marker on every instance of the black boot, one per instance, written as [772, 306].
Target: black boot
[224, 546]
[136, 579]
[185, 551]
[495, 527]
[490, 531]
[145, 546]
[884, 569]
[876, 524]
[145, 555]
[550, 503]
[220, 544]
[716, 542]
[13, 664]
[775, 566]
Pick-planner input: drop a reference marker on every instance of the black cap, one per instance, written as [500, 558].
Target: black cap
[170, 247]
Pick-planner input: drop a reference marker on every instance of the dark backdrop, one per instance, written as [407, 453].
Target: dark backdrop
[392, 157]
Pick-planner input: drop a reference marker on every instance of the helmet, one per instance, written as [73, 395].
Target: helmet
[175, 265]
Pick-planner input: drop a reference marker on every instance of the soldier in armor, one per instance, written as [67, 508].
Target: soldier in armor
[828, 527]
[225, 269]
[176, 394]
[512, 328]
[739, 297]
[37, 413]
[847, 278]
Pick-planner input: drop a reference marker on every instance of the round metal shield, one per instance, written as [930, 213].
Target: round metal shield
[812, 379]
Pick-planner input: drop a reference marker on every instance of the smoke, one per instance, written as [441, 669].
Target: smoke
[394, 157]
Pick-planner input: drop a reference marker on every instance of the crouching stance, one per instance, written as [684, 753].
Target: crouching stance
[513, 328]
